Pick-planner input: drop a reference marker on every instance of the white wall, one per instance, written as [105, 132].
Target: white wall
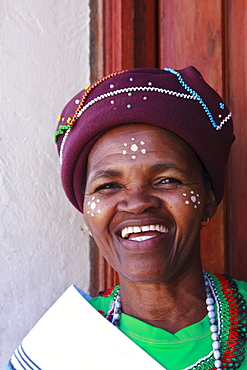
[45, 61]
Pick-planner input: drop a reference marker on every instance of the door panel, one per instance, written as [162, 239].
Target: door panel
[211, 35]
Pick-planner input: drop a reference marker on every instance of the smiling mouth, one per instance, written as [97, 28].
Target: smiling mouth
[128, 232]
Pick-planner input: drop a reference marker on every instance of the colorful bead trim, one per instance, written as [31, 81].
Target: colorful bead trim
[231, 318]
[82, 108]
[76, 115]
[200, 100]
[61, 130]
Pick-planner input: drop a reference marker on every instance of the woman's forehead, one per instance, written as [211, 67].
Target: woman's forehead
[137, 141]
[134, 132]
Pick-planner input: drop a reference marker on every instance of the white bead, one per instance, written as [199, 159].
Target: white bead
[209, 301]
[217, 354]
[212, 321]
[210, 307]
[216, 344]
[214, 328]
[211, 314]
[215, 336]
[218, 364]
[118, 304]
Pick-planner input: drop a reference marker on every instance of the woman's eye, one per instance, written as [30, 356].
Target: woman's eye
[108, 186]
[169, 182]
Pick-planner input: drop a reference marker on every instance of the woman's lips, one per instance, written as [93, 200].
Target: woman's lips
[143, 237]
[144, 241]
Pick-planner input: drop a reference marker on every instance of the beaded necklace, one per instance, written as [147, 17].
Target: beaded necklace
[228, 322]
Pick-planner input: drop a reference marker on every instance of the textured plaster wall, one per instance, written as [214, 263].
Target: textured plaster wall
[44, 61]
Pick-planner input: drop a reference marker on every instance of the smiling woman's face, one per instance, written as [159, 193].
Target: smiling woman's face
[145, 200]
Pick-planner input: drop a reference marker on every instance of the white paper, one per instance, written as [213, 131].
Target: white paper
[73, 335]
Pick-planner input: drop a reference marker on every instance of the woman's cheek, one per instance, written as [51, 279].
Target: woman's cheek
[189, 200]
[93, 206]
[192, 198]
[96, 211]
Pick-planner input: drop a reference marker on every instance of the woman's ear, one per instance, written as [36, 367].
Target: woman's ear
[211, 204]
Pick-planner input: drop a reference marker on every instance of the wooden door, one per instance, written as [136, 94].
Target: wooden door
[211, 35]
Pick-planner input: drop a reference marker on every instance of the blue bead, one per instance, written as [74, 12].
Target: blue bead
[194, 93]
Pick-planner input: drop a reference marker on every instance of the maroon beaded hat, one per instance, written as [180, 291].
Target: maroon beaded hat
[179, 101]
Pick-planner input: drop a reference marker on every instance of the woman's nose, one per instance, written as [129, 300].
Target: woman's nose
[138, 202]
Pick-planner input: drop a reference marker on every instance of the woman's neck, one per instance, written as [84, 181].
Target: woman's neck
[169, 306]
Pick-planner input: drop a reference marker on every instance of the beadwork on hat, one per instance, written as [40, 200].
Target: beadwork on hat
[179, 101]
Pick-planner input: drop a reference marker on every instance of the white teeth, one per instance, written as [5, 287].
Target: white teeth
[141, 238]
[138, 229]
[145, 228]
[164, 229]
[126, 231]
[130, 230]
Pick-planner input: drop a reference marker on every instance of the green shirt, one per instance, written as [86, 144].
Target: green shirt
[173, 351]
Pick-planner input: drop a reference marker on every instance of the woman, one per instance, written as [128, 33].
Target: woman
[143, 154]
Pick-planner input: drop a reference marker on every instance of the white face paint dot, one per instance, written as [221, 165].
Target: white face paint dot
[92, 214]
[193, 198]
[88, 212]
[134, 148]
[93, 197]
[88, 203]
[98, 211]
[97, 200]
[93, 206]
